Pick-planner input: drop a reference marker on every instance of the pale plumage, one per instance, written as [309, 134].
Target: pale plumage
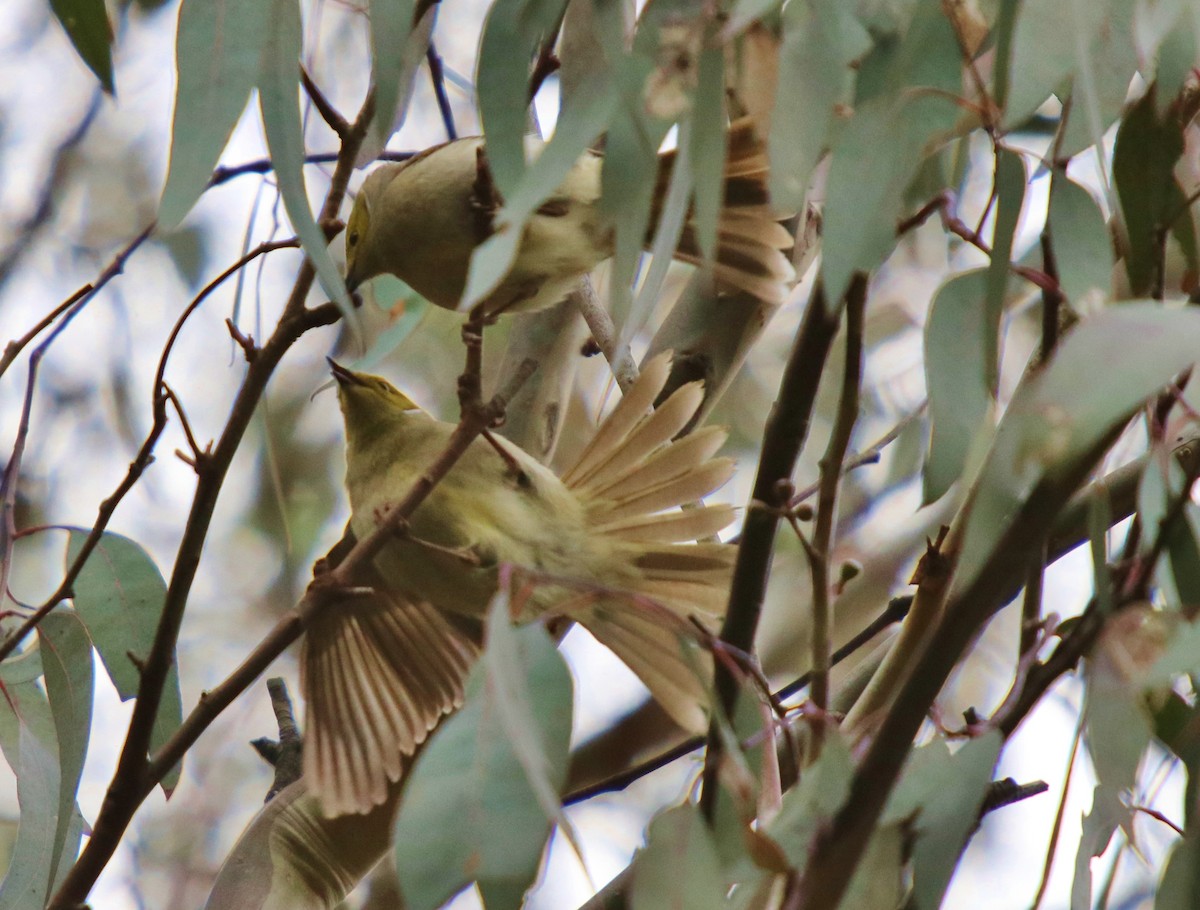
[611, 533]
[421, 219]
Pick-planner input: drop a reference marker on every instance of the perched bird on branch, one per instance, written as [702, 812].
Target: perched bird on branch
[606, 546]
[421, 220]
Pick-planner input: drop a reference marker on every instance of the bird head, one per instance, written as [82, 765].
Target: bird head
[368, 402]
[357, 226]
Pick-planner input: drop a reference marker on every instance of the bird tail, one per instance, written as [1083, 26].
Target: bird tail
[377, 671]
[639, 486]
[751, 243]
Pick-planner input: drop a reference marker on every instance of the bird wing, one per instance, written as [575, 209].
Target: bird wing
[378, 670]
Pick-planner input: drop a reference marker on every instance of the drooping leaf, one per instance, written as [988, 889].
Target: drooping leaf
[391, 24]
[474, 804]
[1060, 417]
[821, 39]
[1180, 885]
[940, 796]
[119, 596]
[1099, 825]
[1010, 196]
[902, 106]
[579, 125]
[279, 101]
[1144, 158]
[512, 35]
[812, 803]
[67, 655]
[679, 867]
[27, 739]
[1083, 249]
[961, 351]
[1039, 66]
[217, 51]
[87, 25]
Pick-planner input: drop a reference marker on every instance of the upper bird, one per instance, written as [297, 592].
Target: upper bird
[606, 546]
[421, 220]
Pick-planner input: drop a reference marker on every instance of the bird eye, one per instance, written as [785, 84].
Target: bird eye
[353, 238]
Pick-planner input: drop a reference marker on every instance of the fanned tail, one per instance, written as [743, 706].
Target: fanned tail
[751, 243]
[377, 672]
[638, 485]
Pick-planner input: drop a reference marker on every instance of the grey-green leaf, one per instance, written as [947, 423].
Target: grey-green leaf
[217, 51]
[119, 595]
[1083, 249]
[67, 655]
[1060, 418]
[88, 27]
[679, 867]
[278, 97]
[391, 24]
[28, 741]
[471, 811]
[960, 357]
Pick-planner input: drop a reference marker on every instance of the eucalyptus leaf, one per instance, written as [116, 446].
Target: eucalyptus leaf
[119, 596]
[474, 807]
[217, 51]
[679, 867]
[67, 654]
[279, 102]
[87, 25]
[1083, 248]
[961, 350]
[391, 25]
[1010, 183]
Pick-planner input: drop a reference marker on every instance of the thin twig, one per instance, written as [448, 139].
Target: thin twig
[870, 455]
[604, 332]
[826, 519]
[339, 124]
[437, 75]
[786, 429]
[14, 347]
[225, 173]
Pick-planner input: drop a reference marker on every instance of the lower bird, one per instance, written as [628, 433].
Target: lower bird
[421, 220]
[606, 545]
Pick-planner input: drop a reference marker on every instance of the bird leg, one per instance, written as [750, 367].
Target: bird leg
[469, 556]
[515, 469]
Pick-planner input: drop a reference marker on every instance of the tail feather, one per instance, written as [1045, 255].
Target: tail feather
[627, 414]
[666, 464]
[694, 524]
[377, 672]
[688, 487]
[667, 659]
[749, 236]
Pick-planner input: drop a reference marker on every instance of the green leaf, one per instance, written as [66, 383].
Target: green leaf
[67, 654]
[391, 24]
[512, 35]
[28, 741]
[217, 50]
[1083, 249]
[119, 596]
[21, 667]
[474, 807]
[87, 25]
[907, 87]
[879, 881]
[961, 350]
[278, 98]
[1105, 68]
[1144, 158]
[1099, 825]
[821, 39]
[579, 125]
[1010, 196]
[1061, 417]
[679, 867]
[812, 803]
[940, 794]
[1039, 66]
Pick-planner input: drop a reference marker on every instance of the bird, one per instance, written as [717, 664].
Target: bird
[421, 219]
[607, 545]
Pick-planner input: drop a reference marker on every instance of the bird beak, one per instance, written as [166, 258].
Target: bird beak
[343, 376]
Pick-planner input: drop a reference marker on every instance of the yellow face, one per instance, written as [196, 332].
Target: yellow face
[365, 387]
[356, 232]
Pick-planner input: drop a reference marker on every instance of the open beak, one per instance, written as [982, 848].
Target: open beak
[343, 376]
